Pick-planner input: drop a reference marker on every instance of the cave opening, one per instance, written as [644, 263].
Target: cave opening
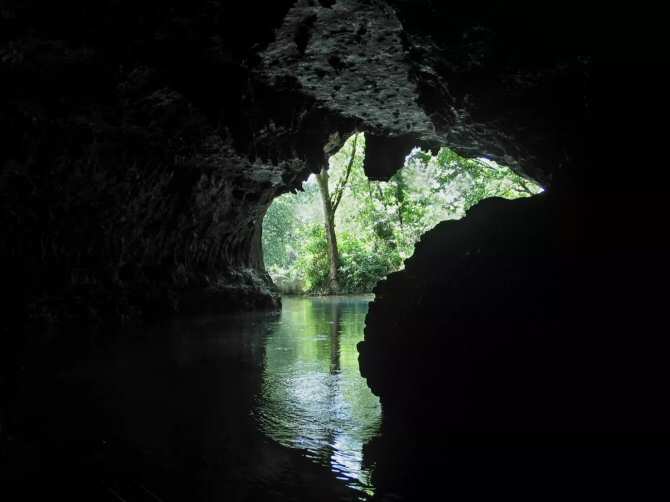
[147, 354]
[314, 396]
[343, 232]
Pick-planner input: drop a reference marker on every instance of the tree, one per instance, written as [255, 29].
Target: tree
[330, 205]
[343, 233]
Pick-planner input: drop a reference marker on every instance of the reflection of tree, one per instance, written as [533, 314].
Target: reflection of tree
[335, 330]
[333, 318]
[314, 395]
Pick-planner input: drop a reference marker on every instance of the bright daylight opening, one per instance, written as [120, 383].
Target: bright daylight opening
[343, 233]
[339, 236]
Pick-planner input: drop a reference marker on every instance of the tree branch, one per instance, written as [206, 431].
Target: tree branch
[339, 190]
[525, 187]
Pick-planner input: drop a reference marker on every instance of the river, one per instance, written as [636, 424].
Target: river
[313, 397]
[254, 406]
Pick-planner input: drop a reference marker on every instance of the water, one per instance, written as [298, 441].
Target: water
[313, 397]
[250, 407]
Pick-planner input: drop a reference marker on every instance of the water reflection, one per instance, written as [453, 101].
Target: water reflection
[313, 396]
[194, 410]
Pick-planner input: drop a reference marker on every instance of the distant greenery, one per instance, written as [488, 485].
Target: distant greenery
[376, 223]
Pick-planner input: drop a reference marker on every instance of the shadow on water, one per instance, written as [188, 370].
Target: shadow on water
[251, 407]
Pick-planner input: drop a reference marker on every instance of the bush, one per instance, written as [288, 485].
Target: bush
[313, 262]
[361, 265]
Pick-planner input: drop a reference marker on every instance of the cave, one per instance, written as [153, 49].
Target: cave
[143, 143]
[343, 233]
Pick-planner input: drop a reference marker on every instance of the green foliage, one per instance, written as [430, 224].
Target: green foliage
[313, 260]
[377, 223]
[280, 228]
[363, 266]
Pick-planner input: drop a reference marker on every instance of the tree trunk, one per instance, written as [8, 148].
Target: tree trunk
[329, 223]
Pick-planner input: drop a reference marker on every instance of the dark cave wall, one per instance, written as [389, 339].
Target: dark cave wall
[504, 80]
[145, 195]
[484, 337]
[484, 318]
[145, 142]
[531, 317]
[122, 189]
[142, 143]
[350, 57]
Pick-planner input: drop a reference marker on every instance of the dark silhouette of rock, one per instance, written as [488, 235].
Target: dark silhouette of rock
[144, 142]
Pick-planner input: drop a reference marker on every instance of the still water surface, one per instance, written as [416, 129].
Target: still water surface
[258, 406]
[313, 397]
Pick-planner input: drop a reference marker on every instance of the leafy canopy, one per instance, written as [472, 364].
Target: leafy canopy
[377, 223]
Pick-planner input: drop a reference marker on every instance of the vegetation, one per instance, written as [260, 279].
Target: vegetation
[343, 232]
[330, 205]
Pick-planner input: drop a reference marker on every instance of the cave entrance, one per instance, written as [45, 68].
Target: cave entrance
[343, 232]
[314, 398]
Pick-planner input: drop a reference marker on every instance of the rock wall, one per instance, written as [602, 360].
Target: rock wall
[145, 142]
[474, 335]
[142, 144]
[123, 189]
[528, 317]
